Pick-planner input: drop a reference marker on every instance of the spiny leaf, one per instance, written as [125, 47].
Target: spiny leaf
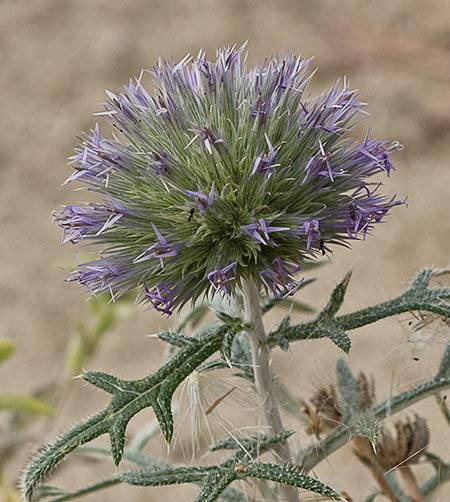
[128, 398]
[176, 339]
[292, 476]
[336, 298]
[50, 456]
[109, 383]
[422, 279]
[64, 496]
[216, 483]
[117, 439]
[339, 337]
[348, 390]
[419, 297]
[170, 476]
[444, 368]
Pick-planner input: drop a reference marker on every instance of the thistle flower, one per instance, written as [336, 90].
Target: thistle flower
[222, 174]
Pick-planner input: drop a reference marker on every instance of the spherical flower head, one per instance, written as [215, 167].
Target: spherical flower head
[223, 174]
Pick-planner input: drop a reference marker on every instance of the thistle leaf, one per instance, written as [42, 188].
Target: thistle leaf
[161, 477]
[292, 476]
[422, 279]
[336, 298]
[418, 297]
[339, 337]
[176, 339]
[348, 390]
[216, 484]
[444, 368]
[128, 398]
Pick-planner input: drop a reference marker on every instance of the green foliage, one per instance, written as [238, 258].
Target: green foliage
[227, 338]
[348, 391]
[444, 368]
[128, 398]
[418, 297]
[241, 465]
[25, 404]
[6, 350]
[102, 316]
[20, 404]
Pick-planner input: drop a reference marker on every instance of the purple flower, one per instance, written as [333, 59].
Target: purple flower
[271, 81]
[161, 249]
[98, 275]
[159, 162]
[378, 155]
[332, 112]
[220, 277]
[201, 201]
[278, 278]
[260, 231]
[312, 231]
[80, 222]
[162, 297]
[229, 165]
[95, 159]
[264, 164]
[209, 139]
[363, 212]
[319, 165]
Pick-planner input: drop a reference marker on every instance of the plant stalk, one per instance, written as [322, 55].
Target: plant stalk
[411, 485]
[263, 375]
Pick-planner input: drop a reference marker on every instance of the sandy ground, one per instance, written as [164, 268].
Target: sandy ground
[58, 56]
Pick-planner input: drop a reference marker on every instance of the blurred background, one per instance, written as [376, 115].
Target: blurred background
[58, 57]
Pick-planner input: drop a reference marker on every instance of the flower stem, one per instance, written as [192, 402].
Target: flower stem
[263, 375]
[411, 485]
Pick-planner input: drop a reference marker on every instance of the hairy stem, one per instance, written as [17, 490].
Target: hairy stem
[384, 485]
[411, 486]
[263, 376]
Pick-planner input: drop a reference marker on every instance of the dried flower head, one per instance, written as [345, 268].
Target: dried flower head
[404, 447]
[223, 173]
[325, 412]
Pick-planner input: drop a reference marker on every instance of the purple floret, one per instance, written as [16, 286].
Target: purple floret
[278, 278]
[264, 164]
[221, 277]
[160, 250]
[162, 297]
[259, 231]
[200, 200]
